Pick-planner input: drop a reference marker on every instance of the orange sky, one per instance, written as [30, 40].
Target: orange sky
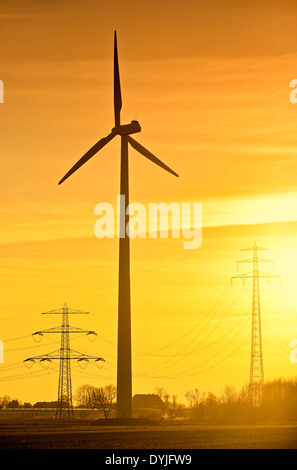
[209, 84]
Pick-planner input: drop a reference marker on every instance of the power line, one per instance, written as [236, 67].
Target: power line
[204, 370]
[197, 335]
[206, 361]
[214, 308]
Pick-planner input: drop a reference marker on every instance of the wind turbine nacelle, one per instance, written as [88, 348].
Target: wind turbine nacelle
[127, 129]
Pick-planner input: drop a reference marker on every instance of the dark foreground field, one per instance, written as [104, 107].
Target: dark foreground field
[49, 435]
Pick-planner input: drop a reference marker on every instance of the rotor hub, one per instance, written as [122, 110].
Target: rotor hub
[127, 129]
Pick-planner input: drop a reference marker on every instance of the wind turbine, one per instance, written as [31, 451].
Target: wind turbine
[124, 366]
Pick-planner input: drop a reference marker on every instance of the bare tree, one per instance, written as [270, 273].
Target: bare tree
[229, 395]
[4, 401]
[174, 402]
[104, 397]
[172, 406]
[193, 399]
[13, 404]
[161, 392]
[84, 396]
[165, 397]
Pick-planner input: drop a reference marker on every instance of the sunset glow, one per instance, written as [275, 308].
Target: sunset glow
[210, 87]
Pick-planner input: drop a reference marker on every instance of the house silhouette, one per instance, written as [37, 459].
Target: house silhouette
[148, 406]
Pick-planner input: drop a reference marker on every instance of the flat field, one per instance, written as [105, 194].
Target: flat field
[50, 435]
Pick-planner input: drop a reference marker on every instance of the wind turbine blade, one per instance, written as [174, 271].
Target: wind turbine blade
[149, 155]
[117, 85]
[90, 153]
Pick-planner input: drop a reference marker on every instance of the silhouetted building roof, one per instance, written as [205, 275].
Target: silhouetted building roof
[148, 401]
[45, 404]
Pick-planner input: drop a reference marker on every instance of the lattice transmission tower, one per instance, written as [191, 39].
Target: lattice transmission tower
[65, 355]
[256, 379]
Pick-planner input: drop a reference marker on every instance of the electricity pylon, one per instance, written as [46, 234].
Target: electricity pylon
[256, 366]
[64, 355]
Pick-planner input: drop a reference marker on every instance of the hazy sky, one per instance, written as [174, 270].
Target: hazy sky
[209, 83]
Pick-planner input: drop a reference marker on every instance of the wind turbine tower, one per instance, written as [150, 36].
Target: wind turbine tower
[124, 355]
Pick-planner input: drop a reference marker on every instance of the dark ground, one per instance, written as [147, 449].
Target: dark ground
[50, 435]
